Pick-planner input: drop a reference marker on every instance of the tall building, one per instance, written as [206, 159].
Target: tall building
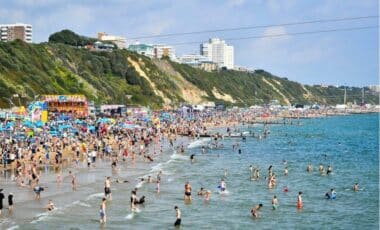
[164, 50]
[117, 40]
[10, 32]
[216, 50]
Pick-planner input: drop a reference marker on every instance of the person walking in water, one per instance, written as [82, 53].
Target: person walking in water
[107, 188]
[73, 180]
[187, 191]
[299, 200]
[102, 211]
[1, 200]
[10, 202]
[177, 222]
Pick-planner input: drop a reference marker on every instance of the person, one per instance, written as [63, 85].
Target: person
[274, 202]
[309, 168]
[38, 190]
[286, 189]
[10, 202]
[50, 206]
[251, 169]
[299, 200]
[222, 185]
[208, 195]
[158, 186]
[107, 188]
[159, 176]
[102, 211]
[321, 169]
[255, 210]
[177, 222]
[329, 170]
[73, 181]
[201, 192]
[333, 194]
[187, 191]
[286, 171]
[1, 200]
[192, 158]
[134, 200]
[356, 187]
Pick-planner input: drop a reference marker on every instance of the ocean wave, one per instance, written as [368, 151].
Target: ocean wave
[13, 227]
[156, 168]
[198, 143]
[176, 156]
[95, 195]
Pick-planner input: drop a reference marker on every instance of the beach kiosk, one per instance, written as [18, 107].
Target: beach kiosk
[75, 105]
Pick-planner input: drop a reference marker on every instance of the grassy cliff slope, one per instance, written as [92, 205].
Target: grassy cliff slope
[107, 77]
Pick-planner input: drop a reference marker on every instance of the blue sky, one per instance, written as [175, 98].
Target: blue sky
[331, 58]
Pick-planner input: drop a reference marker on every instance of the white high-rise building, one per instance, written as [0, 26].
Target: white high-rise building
[10, 32]
[216, 50]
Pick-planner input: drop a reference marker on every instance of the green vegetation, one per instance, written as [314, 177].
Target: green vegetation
[107, 77]
[68, 37]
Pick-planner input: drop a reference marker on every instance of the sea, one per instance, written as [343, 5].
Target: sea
[350, 144]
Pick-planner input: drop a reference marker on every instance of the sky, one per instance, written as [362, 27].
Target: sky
[339, 58]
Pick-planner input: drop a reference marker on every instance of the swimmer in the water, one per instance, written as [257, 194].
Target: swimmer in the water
[356, 187]
[207, 195]
[222, 185]
[309, 168]
[274, 202]
[299, 200]
[255, 210]
[201, 192]
[286, 171]
[50, 206]
[329, 170]
[192, 158]
[286, 189]
[321, 169]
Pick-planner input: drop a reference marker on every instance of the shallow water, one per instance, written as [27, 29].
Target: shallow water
[350, 143]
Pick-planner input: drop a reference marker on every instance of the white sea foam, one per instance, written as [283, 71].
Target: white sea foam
[140, 184]
[198, 143]
[95, 195]
[43, 216]
[14, 227]
[178, 157]
[156, 168]
[130, 216]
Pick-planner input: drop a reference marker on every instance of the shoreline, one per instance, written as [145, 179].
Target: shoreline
[29, 210]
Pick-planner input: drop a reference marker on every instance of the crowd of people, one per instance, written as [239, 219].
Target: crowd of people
[119, 145]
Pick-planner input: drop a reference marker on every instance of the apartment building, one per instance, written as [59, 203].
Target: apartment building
[10, 32]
